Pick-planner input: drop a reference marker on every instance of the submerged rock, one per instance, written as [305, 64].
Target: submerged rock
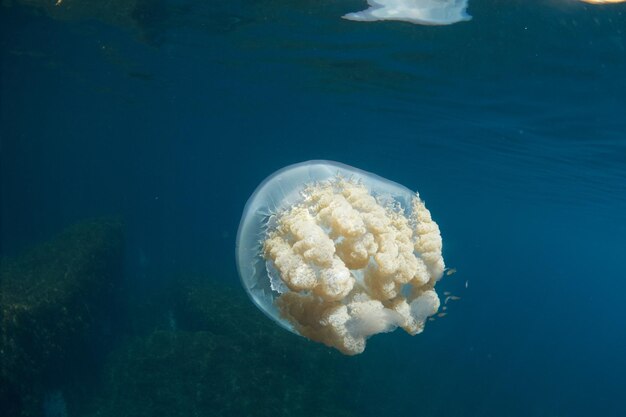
[223, 358]
[56, 304]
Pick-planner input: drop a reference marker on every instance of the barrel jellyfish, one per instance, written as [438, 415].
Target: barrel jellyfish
[423, 12]
[337, 254]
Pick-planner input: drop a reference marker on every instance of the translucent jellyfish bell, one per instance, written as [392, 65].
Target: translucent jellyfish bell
[337, 254]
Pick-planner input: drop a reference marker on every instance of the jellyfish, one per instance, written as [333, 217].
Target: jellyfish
[337, 254]
[423, 12]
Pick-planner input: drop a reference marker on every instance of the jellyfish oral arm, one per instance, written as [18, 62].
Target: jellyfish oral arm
[346, 258]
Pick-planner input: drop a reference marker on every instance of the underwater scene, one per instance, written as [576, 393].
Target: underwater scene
[312, 208]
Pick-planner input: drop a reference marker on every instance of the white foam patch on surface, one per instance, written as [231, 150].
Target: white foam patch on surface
[423, 12]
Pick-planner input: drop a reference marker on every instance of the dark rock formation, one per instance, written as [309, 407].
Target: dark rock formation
[56, 307]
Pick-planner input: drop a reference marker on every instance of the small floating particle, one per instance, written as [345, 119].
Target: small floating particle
[442, 314]
[445, 308]
[431, 319]
[451, 298]
[450, 271]
[466, 284]
[447, 293]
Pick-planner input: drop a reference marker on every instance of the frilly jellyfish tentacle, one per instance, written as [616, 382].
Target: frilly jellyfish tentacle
[337, 254]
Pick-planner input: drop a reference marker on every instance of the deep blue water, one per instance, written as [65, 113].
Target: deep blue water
[512, 127]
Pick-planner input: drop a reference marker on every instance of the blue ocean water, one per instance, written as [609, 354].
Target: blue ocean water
[511, 126]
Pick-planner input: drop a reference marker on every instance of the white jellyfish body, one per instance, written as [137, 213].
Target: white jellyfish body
[423, 12]
[337, 254]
